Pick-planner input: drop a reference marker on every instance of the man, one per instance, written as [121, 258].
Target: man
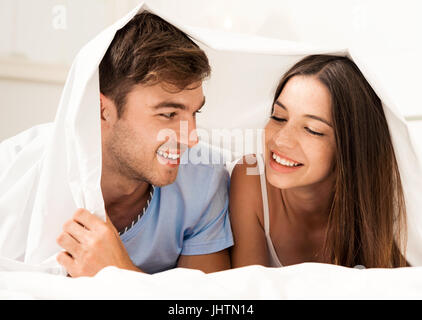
[151, 83]
[160, 213]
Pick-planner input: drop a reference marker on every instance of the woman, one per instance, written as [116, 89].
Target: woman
[331, 189]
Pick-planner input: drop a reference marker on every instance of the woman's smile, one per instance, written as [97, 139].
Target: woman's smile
[283, 164]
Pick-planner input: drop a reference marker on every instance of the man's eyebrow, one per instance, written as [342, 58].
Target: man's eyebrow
[311, 116]
[170, 104]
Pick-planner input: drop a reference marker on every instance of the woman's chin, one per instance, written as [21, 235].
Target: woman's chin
[280, 182]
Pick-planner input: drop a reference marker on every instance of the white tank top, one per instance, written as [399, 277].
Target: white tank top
[274, 261]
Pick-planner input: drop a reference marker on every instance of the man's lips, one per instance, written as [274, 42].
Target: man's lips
[169, 157]
[171, 154]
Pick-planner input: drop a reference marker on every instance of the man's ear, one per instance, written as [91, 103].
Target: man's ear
[105, 107]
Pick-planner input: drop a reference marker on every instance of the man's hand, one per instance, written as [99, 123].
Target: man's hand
[91, 244]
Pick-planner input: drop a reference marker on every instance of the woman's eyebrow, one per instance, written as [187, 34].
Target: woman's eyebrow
[311, 116]
[318, 118]
[280, 104]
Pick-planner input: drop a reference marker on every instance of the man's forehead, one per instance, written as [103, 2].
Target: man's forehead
[167, 89]
[157, 97]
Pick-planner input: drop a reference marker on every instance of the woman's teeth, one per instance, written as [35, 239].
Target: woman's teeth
[285, 162]
[167, 155]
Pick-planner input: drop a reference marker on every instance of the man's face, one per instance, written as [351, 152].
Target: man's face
[157, 125]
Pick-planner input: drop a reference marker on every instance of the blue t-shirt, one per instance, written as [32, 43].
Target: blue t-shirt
[187, 217]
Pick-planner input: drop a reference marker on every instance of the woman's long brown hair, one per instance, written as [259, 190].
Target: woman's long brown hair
[367, 222]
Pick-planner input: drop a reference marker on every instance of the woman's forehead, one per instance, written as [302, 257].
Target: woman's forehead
[306, 95]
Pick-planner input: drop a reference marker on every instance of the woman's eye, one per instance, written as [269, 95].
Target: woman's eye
[313, 132]
[168, 115]
[278, 119]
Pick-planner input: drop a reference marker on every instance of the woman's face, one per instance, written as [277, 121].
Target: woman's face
[299, 137]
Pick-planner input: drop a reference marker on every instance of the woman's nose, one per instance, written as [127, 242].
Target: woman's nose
[286, 137]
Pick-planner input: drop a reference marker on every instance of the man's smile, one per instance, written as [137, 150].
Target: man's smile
[169, 158]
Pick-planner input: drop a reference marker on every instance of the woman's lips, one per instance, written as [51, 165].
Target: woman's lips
[283, 164]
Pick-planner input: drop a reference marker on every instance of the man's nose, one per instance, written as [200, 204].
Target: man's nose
[188, 135]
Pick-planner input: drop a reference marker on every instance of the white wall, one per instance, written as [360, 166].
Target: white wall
[41, 37]
[28, 103]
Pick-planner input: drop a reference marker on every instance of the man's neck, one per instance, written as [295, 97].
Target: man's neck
[122, 195]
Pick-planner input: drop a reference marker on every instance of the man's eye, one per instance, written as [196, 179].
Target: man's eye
[168, 115]
[278, 119]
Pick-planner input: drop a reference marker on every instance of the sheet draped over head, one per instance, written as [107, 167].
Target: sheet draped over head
[49, 171]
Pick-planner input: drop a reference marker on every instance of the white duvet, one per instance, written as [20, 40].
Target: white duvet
[303, 281]
[48, 172]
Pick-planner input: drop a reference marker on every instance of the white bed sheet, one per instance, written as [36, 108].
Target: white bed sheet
[303, 281]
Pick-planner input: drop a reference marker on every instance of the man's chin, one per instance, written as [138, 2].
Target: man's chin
[165, 179]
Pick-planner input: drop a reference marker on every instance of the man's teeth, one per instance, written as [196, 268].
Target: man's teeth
[285, 162]
[167, 155]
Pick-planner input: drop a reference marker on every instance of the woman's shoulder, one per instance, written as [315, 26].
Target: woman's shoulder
[245, 182]
[245, 204]
[247, 169]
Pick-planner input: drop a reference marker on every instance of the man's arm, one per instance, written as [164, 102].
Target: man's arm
[207, 263]
[205, 244]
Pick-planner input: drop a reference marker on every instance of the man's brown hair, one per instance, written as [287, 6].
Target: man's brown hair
[148, 51]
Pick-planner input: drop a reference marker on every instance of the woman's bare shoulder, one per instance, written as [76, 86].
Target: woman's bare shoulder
[246, 170]
[245, 209]
[245, 181]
